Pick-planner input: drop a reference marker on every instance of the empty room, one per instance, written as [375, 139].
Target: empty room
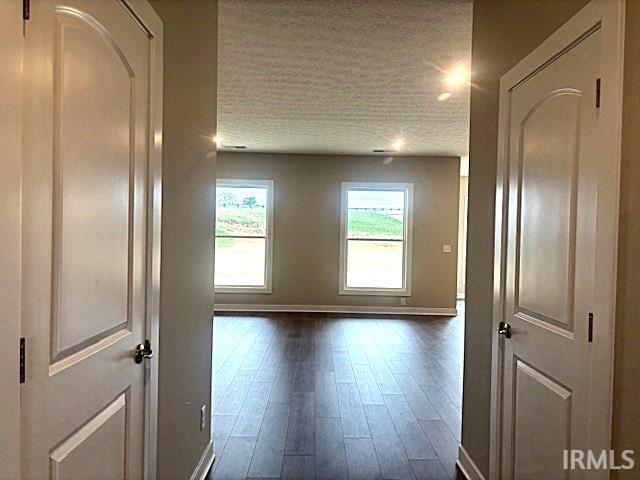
[338, 338]
[319, 239]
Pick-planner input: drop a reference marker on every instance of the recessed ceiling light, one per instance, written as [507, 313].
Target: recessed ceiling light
[444, 96]
[398, 143]
[457, 77]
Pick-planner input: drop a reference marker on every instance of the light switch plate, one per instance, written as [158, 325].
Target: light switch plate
[203, 417]
[446, 248]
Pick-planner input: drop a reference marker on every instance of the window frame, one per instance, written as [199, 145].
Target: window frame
[407, 251]
[268, 267]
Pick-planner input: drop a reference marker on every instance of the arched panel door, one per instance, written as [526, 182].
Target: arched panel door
[84, 240]
[556, 243]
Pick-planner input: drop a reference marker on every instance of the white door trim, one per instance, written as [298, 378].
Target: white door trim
[11, 48]
[204, 464]
[609, 15]
[467, 466]
[144, 14]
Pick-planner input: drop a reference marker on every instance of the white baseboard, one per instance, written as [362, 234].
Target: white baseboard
[467, 466]
[206, 460]
[370, 310]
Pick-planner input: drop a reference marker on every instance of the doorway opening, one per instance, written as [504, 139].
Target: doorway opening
[342, 150]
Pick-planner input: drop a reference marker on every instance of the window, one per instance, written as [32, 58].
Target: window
[375, 250]
[244, 227]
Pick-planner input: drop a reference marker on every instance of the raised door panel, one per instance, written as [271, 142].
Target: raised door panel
[542, 424]
[94, 131]
[548, 169]
[97, 450]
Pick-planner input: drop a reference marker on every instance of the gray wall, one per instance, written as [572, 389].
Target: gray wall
[307, 224]
[626, 383]
[503, 33]
[186, 296]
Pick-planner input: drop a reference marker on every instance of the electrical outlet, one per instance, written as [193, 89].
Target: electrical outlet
[446, 248]
[403, 301]
[203, 417]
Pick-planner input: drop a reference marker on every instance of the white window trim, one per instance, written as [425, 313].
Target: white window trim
[266, 288]
[407, 250]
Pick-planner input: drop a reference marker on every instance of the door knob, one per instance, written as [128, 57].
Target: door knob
[504, 329]
[143, 350]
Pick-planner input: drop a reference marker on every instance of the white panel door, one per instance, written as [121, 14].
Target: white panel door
[557, 243]
[84, 214]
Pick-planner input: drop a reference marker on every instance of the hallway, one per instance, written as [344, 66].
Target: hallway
[336, 397]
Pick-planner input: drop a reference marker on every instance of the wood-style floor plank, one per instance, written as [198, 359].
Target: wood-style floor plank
[252, 412]
[331, 461]
[342, 368]
[299, 467]
[409, 430]
[428, 470]
[444, 443]
[392, 457]
[301, 435]
[298, 396]
[221, 427]
[367, 385]
[269, 451]
[233, 399]
[326, 398]
[354, 422]
[361, 459]
[234, 462]
[416, 398]
[386, 381]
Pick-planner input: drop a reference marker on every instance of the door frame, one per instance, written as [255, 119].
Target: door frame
[146, 17]
[11, 51]
[609, 14]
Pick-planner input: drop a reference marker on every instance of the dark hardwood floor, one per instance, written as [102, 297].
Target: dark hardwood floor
[298, 396]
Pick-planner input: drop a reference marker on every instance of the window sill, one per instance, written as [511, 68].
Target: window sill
[380, 292]
[258, 290]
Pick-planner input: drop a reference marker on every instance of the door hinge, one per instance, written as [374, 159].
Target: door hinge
[26, 9]
[23, 359]
[598, 81]
[590, 333]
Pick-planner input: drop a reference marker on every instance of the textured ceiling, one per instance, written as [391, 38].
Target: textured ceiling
[342, 76]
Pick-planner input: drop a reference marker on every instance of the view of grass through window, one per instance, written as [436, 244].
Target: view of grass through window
[375, 238]
[241, 235]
